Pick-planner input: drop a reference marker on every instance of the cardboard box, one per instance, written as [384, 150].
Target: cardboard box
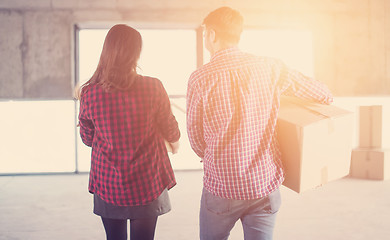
[371, 164]
[315, 141]
[370, 126]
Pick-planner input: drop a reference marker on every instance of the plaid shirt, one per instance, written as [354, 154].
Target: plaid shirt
[232, 109]
[126, 130]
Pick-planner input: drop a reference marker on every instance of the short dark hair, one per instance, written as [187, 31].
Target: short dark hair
[227, 24]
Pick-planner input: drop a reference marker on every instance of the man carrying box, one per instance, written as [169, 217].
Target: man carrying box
[232, 110]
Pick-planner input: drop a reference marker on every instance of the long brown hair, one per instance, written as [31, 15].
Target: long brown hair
[117, 67]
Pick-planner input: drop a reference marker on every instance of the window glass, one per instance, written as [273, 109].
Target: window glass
[169, 55]
[37, 136]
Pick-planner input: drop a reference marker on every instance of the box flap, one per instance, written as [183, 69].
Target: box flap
[302, 113]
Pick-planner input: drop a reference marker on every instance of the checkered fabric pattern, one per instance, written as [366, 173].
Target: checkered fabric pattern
[126, 130]
[232, 109]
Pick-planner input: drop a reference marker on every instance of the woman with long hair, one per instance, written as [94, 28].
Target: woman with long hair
[126, 118]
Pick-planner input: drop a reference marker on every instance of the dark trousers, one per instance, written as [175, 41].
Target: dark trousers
[140, 229]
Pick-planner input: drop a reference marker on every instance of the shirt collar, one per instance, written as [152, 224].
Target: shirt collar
[224, 52]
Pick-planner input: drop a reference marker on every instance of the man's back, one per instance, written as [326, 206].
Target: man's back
[236, 98]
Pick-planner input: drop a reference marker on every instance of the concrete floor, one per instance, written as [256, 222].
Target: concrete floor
[60, 207]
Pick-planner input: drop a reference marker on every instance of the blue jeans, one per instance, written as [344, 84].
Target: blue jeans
[219, 215]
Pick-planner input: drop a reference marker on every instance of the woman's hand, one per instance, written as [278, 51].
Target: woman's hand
[175, 147]
[172, 147]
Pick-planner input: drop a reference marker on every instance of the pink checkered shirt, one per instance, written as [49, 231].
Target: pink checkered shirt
[130, 165]
[232, 108]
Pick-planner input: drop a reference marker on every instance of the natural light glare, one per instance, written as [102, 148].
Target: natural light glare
[37, 136]
[169, 55]
[90, 47]
[293, 47]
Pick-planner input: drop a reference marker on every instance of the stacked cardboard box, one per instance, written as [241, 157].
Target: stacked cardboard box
[370, 160]
[315, 141]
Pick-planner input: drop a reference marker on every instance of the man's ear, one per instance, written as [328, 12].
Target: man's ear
[213, 37]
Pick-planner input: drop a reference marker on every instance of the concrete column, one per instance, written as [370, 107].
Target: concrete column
[47, 58]
[11, 54]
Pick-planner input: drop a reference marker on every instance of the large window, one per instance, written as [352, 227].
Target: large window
[171, 56]
[37, 136]
[167, 54]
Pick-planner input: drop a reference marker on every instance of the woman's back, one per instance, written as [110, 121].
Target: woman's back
[128, 143]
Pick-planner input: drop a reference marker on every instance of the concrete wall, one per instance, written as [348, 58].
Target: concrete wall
[351, 38]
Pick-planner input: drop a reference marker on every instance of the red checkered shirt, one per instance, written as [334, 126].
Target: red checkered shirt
[232, 108]
[126, 130]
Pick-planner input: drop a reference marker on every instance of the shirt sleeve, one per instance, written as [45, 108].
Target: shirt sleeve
[87, 129]
[195, 119]
[165, 119]
[294, 83]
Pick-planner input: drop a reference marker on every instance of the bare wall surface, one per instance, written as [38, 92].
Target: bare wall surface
[11, 59]
[48, 54]
[351, 38]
